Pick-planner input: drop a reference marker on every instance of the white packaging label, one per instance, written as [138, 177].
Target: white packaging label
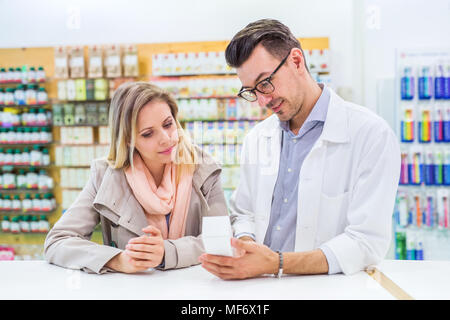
[216, 235]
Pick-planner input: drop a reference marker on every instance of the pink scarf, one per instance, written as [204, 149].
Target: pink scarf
[157, 202]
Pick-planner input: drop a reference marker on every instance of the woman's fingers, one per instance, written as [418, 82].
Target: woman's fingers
[146, 240]
[142, 255]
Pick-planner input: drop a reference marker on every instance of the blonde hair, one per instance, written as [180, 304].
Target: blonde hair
[127, 101]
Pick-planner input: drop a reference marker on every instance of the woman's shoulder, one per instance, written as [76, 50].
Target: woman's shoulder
[205, 166]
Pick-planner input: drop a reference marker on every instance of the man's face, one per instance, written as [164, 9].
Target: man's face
[285, 100]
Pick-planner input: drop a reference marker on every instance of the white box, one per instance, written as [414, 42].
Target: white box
[216, 235]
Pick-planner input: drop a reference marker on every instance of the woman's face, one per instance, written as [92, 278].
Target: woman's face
[157, 135]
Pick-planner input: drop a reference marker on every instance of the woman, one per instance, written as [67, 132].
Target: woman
[149, 195]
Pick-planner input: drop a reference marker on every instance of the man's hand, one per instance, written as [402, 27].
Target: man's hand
[141, 253]
[253, 259]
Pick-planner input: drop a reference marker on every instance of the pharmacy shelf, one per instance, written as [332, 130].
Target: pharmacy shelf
[26, 213]
[206, 97]
[218, 120]
[18, 191]
[22, 238]
[80, 125]
[31, 127]
[193, 75]
[78, 101]
[2, 84]
[10, 167]
[25, 105]
[70, 166]
[25, 144]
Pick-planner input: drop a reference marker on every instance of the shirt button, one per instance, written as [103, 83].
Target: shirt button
[285, 200]
[278, 228]
[289, 169]
[295, 140]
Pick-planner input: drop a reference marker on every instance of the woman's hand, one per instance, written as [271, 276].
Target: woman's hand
[140, 253]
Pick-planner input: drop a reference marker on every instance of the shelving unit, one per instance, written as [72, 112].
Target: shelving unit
[46, 57]
[421, 219]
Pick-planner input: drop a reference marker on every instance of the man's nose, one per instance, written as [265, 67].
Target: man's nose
[263, 99]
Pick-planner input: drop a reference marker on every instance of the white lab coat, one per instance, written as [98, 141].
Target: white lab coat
[347, 185]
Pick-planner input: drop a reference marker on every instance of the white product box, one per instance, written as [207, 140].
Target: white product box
[216, 235]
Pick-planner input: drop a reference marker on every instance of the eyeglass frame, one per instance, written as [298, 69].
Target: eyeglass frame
[268, 79]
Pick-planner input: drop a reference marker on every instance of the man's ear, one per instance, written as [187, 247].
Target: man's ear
[298, 59]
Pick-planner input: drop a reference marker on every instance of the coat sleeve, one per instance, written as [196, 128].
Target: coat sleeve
[366, 239]
[68, 242]
[242, 215]
[184, 252]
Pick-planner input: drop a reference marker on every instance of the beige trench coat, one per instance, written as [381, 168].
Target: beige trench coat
[107, 198]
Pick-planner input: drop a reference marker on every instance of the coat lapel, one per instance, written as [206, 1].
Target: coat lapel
[115, 201]
[312, 173]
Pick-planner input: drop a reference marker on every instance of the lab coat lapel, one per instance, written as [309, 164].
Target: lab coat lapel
[313, 171]
[269, 150]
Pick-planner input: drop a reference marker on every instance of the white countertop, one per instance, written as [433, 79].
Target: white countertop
[420, 279]
[40, 280]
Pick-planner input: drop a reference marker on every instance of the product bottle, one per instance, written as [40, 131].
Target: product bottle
[9, 96]
[15, 226]
[37, 204]
[6, 224]
[43, 180]
[19, 135]
[42, 97]
[16, 203]
[26, 157]
[32, 179]
[36, 156]
[35, 136]
[46, 204]
[21, 180]
[2, 157]
[27, 204]
[31, 95]
[41, 117]
[2, 96]
[17, 159]
[7, 205]
[32, 75]
[44, 225]
[40, 74]
[19, 95]
[34, 225]
[9, 157]
[407, 84]
[45, 157]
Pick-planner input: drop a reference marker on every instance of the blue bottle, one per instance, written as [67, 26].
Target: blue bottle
[447, 83]
[407, 84]
[425, 83]
[439, 83]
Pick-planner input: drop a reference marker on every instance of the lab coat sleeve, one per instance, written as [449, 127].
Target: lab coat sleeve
[366, 239]
[240, 205]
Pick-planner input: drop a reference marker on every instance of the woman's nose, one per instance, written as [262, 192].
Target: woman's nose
[165, 138]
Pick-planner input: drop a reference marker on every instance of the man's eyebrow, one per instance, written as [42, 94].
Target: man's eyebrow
[258, 78]
[152, 127]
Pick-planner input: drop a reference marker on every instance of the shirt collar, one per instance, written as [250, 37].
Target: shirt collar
[319, 111]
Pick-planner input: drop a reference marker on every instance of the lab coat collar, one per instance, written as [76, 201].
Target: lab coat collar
[335, 129]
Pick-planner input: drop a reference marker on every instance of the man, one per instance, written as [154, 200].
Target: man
[318, 178]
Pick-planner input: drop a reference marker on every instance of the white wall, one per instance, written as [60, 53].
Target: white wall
[54, 22]
[412, 24]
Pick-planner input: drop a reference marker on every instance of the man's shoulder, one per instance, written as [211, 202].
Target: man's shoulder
[363, 118]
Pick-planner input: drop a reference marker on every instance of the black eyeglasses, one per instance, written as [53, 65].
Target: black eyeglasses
[264, 86]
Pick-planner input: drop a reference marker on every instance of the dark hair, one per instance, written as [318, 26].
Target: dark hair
[274, 36]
